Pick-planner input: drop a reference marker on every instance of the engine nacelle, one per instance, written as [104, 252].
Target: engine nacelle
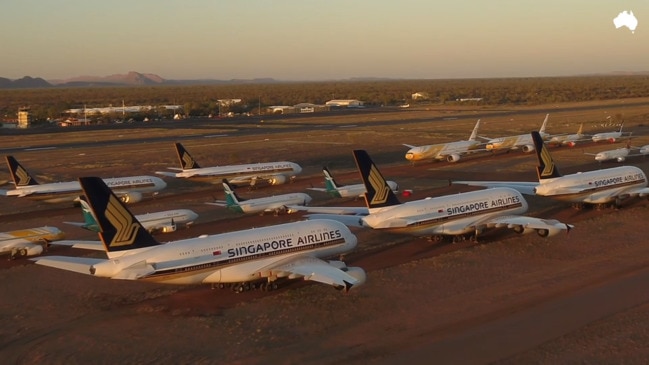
[276, 180]
[548, 232]
[31, 250]
[169, 228]
[528, 148]
[571, 144]
[358, 274]
[620, 159]
[453, 157]
[611, 140]
[131, 197]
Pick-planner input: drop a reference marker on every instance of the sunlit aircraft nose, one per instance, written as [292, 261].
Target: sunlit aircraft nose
[600, 157]
[489, 147]
[297, 168]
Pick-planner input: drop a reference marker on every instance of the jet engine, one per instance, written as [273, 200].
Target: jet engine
[571, 144]
[453, 157]
[620, 159]
[357, 273]
[131, 197]
[548, 232]
[31, 250]
[528, 148]
[168, 228]
[276, 180]
[611, 140]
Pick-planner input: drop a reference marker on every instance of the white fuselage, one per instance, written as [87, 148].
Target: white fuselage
[608, 136]
[236, 173]
[159, 220]
[273, 203]
[619, 154]
[232, 257]
[70, 190]
[447, 215]
[568, 139]
[594, 187]
[29, 239]
[441, 151]
[523, 141]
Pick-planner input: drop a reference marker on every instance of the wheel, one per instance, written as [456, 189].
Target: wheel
[23, 252]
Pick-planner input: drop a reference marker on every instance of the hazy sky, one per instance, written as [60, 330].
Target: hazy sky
[318, 40]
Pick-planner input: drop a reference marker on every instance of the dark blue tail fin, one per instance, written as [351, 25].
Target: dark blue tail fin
[119, 230]
[378, 193]
[18, 173]
[546, 168]
[186, 160]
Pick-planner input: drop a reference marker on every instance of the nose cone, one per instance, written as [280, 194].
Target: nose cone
[159, 183]
[297, 168]
[490, 146]
[307, 199]
[599, 157]
[191, 215]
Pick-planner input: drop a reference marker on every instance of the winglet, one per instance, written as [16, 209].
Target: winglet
[18, 173]
[378, 192]
[119, 230]
[546, 169]
[186, 160]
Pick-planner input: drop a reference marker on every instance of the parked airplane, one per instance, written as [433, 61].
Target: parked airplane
[452, 215]
[522, 141]
[620, 154]
[164, 221]
[337, 190]
[569, 140]
[608, 136]
[273, 173]
[592, 187]
[451, 151]
[276, 204]
[290, 250]
[129, 189]
[28, 242]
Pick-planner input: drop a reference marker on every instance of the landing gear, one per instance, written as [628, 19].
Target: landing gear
[248, 286]
[578, 205]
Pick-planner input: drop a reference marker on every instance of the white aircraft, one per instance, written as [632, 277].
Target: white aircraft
[164, 221]
[620, 154]
[592, 187]
[273, 173]
[337, 190]
[276, 204]
[451, 151]
[569, 140]
[608, 136]
[452, 215]
[522, 141]
[129, 189]
[290, 250]
[28, 242]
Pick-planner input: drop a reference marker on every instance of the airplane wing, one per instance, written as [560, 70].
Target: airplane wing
[525, 224]
[331, 210]
[167, 173]
[77, 264]
[311, 268]
[409, 145]
[85, 245]
[318, 189]
[220, 203]
[348, 220]
[522, 186]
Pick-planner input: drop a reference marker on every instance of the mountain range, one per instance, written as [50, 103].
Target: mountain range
[130, 79]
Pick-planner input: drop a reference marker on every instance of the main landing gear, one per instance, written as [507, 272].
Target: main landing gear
[248, 286]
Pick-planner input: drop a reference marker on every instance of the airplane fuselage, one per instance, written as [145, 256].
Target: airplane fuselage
[70, 190]
[608, 136]
[30, 239]
[232, 257]
[594, 187]
[159, 220]
[447, 215]
[271, 203]
[441, 151]
[619, 154]
[273, 172]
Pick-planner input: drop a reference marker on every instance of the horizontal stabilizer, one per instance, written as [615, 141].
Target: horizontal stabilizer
[77, 264]
[219, 203]
[167, 173]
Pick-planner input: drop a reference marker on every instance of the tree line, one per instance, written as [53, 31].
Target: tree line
[202, 99]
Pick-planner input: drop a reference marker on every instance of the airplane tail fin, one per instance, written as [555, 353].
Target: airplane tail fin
[621, 125]
[186, 160]
[546, 169]
[581, 129]
[119, 230]
[231, 198]
[545, 123]
[19, 174]
[474, 134]
[90, 222]
[378, 193]
[330, 182]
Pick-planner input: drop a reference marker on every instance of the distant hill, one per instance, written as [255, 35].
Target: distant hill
[23, 83]
[131, 78]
